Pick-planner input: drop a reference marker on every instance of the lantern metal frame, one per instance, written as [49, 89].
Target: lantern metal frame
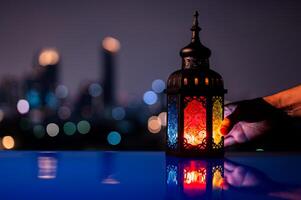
[195, 80]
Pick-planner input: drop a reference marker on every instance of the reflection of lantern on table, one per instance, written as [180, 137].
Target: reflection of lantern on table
[195, 96]
[190, 178]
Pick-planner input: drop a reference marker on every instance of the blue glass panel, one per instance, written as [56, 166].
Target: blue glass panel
[172, 122]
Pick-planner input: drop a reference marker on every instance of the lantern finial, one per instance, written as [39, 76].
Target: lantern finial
[195, 28]
[195, 54]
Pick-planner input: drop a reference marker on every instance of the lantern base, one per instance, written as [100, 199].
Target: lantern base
[193, 154]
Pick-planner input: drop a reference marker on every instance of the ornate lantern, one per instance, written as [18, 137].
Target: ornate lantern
[195, 98]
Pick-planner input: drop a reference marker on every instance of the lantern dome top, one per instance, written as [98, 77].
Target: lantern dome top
[195, 76]
[195, 49]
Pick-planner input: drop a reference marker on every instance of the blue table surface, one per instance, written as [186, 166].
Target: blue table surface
[143, 175]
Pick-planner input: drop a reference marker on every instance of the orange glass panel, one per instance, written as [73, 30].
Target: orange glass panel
[195, 122]
[217, 118]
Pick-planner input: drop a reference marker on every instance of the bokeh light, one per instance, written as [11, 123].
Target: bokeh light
[83, 127]
[33, 98]
[111, 44]
[95, 89]
[118, 113]
[8, 142]
[150, 97]
[39, 131]
[114, 138]
[64, 112]
[51, 100]
[163, 118]
[61, 91]
[69, 128]
[49, 56]
[23, 106]
[158, 85]
[52, 129]
[154, 124]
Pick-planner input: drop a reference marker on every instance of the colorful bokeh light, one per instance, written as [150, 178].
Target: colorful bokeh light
[23, 106]
[114, 138]
[49, 56]
[95, 89]
[150, 97]
[118, 113]
[69, 128]
[8, 142]
[158, 85]
[111, 44]
[52, 129]
[83, 127]
[154, 124]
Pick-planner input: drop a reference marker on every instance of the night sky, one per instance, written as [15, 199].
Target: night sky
[255, 43]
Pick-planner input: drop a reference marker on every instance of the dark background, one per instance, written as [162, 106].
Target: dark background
[255, 45]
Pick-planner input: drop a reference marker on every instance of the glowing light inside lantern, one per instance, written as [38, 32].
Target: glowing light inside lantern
[217, 118]
[195, 122]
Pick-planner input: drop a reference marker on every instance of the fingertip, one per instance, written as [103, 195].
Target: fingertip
[223, 130]
[229, 142]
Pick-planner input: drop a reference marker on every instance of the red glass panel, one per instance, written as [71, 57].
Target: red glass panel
[195, 122]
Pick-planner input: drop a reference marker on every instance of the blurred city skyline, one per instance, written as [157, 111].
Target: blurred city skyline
[254, 43]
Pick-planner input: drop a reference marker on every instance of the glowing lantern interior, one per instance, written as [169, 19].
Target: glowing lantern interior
[195, 122]
[217, 118]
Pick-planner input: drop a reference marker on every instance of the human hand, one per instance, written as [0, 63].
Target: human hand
[246, 120]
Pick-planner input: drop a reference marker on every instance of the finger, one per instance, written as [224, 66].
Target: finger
[229, 141]
[226, 126]
[238, 133]
[229, 122]
[229, 108]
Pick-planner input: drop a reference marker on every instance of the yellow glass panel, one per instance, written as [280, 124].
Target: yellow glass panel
[217, 118]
